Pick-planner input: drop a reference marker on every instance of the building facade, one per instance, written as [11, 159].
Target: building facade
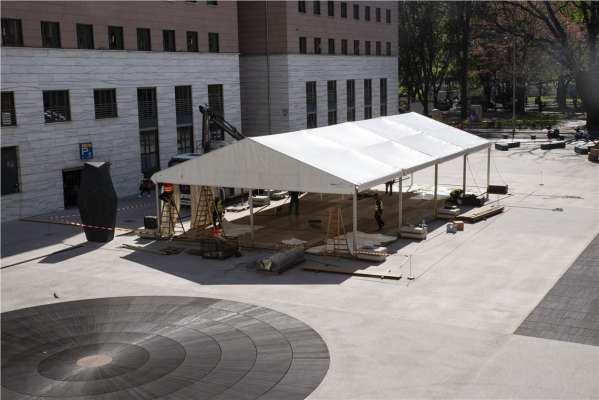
[305, 64]
[108, 81]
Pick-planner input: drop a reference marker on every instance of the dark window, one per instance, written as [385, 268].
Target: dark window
[105, 103]
[332, 101]
[144, 39]
[56, 106]
[367, 47]
[344, 46]
[50, 34]
[388, 16]
[301, 6]
[356, 11]
[85, 36]
[317, 47]
[378, 14]
[115, 38]
[367, 98]
[192, 42]
[12, 32]
[10, 170]
[351, 100]
[213, 42]
[343, 9]
[316, 7]
[212, 2]
[367, 13]
[303, 48]
[168, 40]
[331, 46]
[217, 105]
[148, 131]
[383, 93]
[9, 116]
[378, 48]
[388, 46]
[356, 47]
[331, 8]
[311, 121]
[184, 109]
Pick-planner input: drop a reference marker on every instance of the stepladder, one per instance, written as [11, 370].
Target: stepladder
[336, 240]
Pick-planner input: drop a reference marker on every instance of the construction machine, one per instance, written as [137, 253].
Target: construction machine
[210, 118]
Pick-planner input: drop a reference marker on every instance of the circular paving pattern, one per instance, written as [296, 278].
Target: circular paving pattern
[158, 347]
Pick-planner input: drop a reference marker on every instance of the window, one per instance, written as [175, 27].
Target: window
[388, 16]
[144, 39]
[303, 47]
[9, 116]
[367, 98]
[378, 14]
[217, 105]
[367, 13]
[343, 9]
[168, 40]
[344, 46]
[213, 42]
[317, 47]
[56, 106]
[115, 38]
[192, 42]
[356, 11]
[331, 46]
[388, 46]
[383, 93]
[105, 103]
[357, 47]
[311, 121]
[332, 101]
[212, 2]
[148, 131]
[367, 47]
[184, 109]
[316, 7]
[12, 32]
[378, 48]
[331, 8]
[301, 6]
[10, 170]
[351, 100]
[50, 34]
[85, 36]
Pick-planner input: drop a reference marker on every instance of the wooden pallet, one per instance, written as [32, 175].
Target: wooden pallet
[479, 213]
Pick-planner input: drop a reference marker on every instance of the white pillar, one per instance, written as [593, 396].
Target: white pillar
[435, 195]
[157, 197]
[355, 223]
[400, 202]
[251, 203]
[488, 170]
[464, 175]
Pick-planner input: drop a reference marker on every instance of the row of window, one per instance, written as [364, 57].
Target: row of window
[312, 106]
[301, 7]
[12, 35]
[317, 49]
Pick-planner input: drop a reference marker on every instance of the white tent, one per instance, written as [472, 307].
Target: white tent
[343, 158]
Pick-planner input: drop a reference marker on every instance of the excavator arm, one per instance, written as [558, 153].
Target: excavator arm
[208, 118]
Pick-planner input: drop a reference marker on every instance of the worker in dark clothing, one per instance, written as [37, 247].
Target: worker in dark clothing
[294, 202]
[378, 211]
[389, 187]
[218, 212]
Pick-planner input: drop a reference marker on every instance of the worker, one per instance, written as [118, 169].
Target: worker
[389, 187]
[167, 191]
[218, 212]
[294, 202]
[378, 211]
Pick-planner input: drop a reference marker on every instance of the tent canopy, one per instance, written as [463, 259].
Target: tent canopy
[331, 159]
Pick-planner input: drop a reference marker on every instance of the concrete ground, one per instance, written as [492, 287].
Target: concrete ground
[449, 333]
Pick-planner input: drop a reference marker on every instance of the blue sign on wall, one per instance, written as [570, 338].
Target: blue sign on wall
[86, 151]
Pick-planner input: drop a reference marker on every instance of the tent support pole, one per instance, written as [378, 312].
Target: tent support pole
[435, 192]
[400, 203]
[488, 170]
[464, 175]
[157, 198]
[355, 223]
[251, 203]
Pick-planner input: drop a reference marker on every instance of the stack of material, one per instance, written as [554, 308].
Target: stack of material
[448, 212]
[505, 145]
[484, 212]
[281, 261]
[594, 154]
[413, 232]
[557, 144]
[260, 200]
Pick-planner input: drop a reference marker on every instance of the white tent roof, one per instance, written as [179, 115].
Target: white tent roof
[331, 159]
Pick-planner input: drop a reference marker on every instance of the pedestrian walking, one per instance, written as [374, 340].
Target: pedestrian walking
[294, 202]
[378, 211]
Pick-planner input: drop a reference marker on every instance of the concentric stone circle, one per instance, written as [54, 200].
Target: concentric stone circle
[152, 347]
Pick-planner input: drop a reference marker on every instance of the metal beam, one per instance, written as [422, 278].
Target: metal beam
[157, 197]
[435, 211]
[400, 203]
[355, 223]
[488, 170]
[464, 175]
[251, 203]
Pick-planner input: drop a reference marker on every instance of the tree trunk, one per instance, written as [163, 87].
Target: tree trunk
[464, 9]
[587, 83]
[560, 93]
[520, 99]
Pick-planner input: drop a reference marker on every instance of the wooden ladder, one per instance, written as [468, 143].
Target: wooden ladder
[170, 220]
[203, 213]
[336, 234]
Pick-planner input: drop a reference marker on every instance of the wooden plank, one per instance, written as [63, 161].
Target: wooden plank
[368, 272]
[476, 214]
